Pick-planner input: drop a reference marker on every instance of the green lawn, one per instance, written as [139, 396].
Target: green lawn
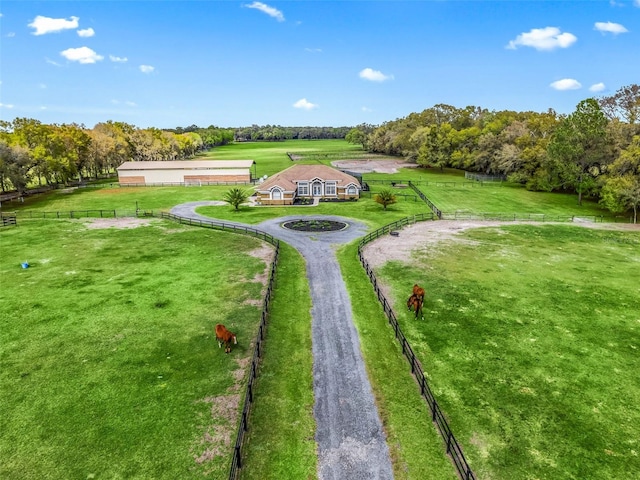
[271, 157]
[530, 343]
[109, 366]
[281, 439]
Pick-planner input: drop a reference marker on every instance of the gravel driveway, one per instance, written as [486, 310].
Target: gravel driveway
[351, 442]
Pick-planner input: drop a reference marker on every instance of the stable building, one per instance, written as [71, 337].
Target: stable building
[307, 181]
[186, 172]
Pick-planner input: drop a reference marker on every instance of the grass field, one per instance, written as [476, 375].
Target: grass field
[108, 362]
[530, 342]
[271, 157]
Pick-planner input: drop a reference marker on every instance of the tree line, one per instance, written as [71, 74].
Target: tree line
[34, 153]
[279, 133]
[594, 151]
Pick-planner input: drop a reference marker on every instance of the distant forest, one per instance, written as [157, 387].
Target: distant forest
[594, 151]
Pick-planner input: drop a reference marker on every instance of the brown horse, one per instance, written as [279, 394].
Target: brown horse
[418, 291]
[415, 303]
[225, 336]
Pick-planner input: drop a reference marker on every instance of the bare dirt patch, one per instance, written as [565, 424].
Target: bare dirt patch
[368, 166]
[216, 440]
[124, 222]
[422, 235]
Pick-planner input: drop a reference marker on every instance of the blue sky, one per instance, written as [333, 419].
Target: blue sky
[328, 63]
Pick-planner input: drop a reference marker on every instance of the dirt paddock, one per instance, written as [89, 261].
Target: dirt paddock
[424, 234]
[369, 166]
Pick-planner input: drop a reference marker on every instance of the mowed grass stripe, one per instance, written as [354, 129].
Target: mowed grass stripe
[416, 449]
[108, 361]
[281, 438]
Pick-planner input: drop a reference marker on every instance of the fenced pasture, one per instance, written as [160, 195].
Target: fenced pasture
[530, 344]
[271, 157]
[109, 365]
[112, 297]
[117, 198]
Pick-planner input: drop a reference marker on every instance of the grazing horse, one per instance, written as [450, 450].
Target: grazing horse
[418, 291]
[415, 303]
[225, 336]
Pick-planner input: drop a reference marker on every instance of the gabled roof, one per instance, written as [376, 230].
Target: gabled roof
[289, 178]
[187, 165]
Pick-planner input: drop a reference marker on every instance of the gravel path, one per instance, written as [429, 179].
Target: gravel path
[351, 442]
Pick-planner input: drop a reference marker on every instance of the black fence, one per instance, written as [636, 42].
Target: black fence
[236, 460]
[483, 177]
[453, 447]
[425, 183]
[535, 217]
[77, 214]
[403, 196]
[424, 198]
[195, 183]
[8, 220]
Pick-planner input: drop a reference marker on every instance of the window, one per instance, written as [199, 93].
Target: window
[317, 189]
[276, 194]
[351, 190]
[303, 189]
[330, 189]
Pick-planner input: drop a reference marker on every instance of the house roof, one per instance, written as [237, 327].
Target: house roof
[289, 178]
[187, 165]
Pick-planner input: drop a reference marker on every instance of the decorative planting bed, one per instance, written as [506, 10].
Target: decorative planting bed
[315, 225]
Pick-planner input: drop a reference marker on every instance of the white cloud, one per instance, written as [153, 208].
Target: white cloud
[374, 75]
[271, 11]
[610, 27]
[10, 34]
[597, 87]
[313, 50]
[146, 68]
[548, 38]
[305, 104]
[366, 109]
[51, 62]
[44, 25]
[566, 84]
[86, 33]
[81, 55]
[636, 3]
[113, 58]
[5, 105]
[128, 103]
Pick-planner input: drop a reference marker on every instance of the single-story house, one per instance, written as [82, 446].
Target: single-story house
[188, 172]
[307, 181]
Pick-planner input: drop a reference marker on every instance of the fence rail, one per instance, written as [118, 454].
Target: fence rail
[7, 220]
[424, 198]
[535, 217]
[483, 177]
[453, 447]
[196, 183]
[425, 183]
[243, 427]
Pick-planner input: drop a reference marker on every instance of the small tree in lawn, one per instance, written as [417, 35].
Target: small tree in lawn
[236, 197]
[385, 198]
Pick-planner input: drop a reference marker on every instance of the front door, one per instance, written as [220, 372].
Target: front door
[316, 189]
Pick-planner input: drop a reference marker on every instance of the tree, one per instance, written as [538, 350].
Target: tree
[236, 196]
[624, 104]
[621, 190]
[15, 166]
[579, 147]
[385, 198]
